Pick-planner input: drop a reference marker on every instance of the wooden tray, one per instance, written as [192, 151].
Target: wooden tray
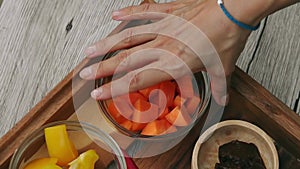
[249, 102]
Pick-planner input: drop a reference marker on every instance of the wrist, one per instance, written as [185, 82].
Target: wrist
[249, 12]
[252, 12]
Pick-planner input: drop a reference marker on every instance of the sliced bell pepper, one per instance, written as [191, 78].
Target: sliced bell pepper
[43, 163]
[85, 160]
[59, 145]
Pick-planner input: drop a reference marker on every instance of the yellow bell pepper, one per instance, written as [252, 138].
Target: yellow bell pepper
[86, 160]
[59, 145]
[43, 163]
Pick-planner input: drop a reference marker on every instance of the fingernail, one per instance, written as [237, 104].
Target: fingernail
[96, 94]
[116, 13]
[90, 50]
[225, 99]
[86, 73]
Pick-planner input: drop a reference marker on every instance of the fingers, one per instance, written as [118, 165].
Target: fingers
[146, 11]
[126, 60]
[132, 81]
[125, 39]
[220, 82]
[132, 36]
[163, 67]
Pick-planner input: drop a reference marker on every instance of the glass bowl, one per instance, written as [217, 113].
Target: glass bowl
[83, 135]
[201, 85]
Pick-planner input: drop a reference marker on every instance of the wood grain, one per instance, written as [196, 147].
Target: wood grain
[249, 51]
[246, 105]
[37, 51]
[58, 104]
[276, 64]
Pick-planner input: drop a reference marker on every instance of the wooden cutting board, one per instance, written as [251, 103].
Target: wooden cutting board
[249, 102]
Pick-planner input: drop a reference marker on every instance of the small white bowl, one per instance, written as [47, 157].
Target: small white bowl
[205, 154]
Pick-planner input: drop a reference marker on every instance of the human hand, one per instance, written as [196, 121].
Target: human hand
[187, 35]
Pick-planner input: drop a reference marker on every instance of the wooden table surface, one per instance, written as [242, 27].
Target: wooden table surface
[37, 51]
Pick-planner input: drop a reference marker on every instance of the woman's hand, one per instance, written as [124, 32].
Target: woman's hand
[186, 35]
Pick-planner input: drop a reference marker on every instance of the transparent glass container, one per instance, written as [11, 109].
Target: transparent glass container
[83, 135]
[146, 146]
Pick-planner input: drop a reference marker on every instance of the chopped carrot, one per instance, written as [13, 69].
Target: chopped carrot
[145, 111]
[148, 110]
[142, 105]
[164, 113]
[138, 126]
[124, 107]
[171, 129]
[178, 101]
[115, 113]
[136, 96]
[147, 91]
[155, 127]
[168, 88]
[127, 124]
[192, 104]
[150, 129]
[178, 117]
[158, 98]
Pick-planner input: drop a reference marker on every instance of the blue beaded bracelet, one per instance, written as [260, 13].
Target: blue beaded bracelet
[240, 24]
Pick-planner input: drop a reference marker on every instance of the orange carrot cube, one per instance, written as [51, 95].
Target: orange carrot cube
[178, 117]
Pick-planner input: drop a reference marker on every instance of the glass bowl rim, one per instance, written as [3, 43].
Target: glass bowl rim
[86, 127]
[201, 107]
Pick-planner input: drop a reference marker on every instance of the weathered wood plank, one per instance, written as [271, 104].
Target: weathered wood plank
[37, 51]
[277, 63]
[248, 53]
[50, 46]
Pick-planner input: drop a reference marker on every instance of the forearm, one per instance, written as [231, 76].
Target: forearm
[253, 11]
